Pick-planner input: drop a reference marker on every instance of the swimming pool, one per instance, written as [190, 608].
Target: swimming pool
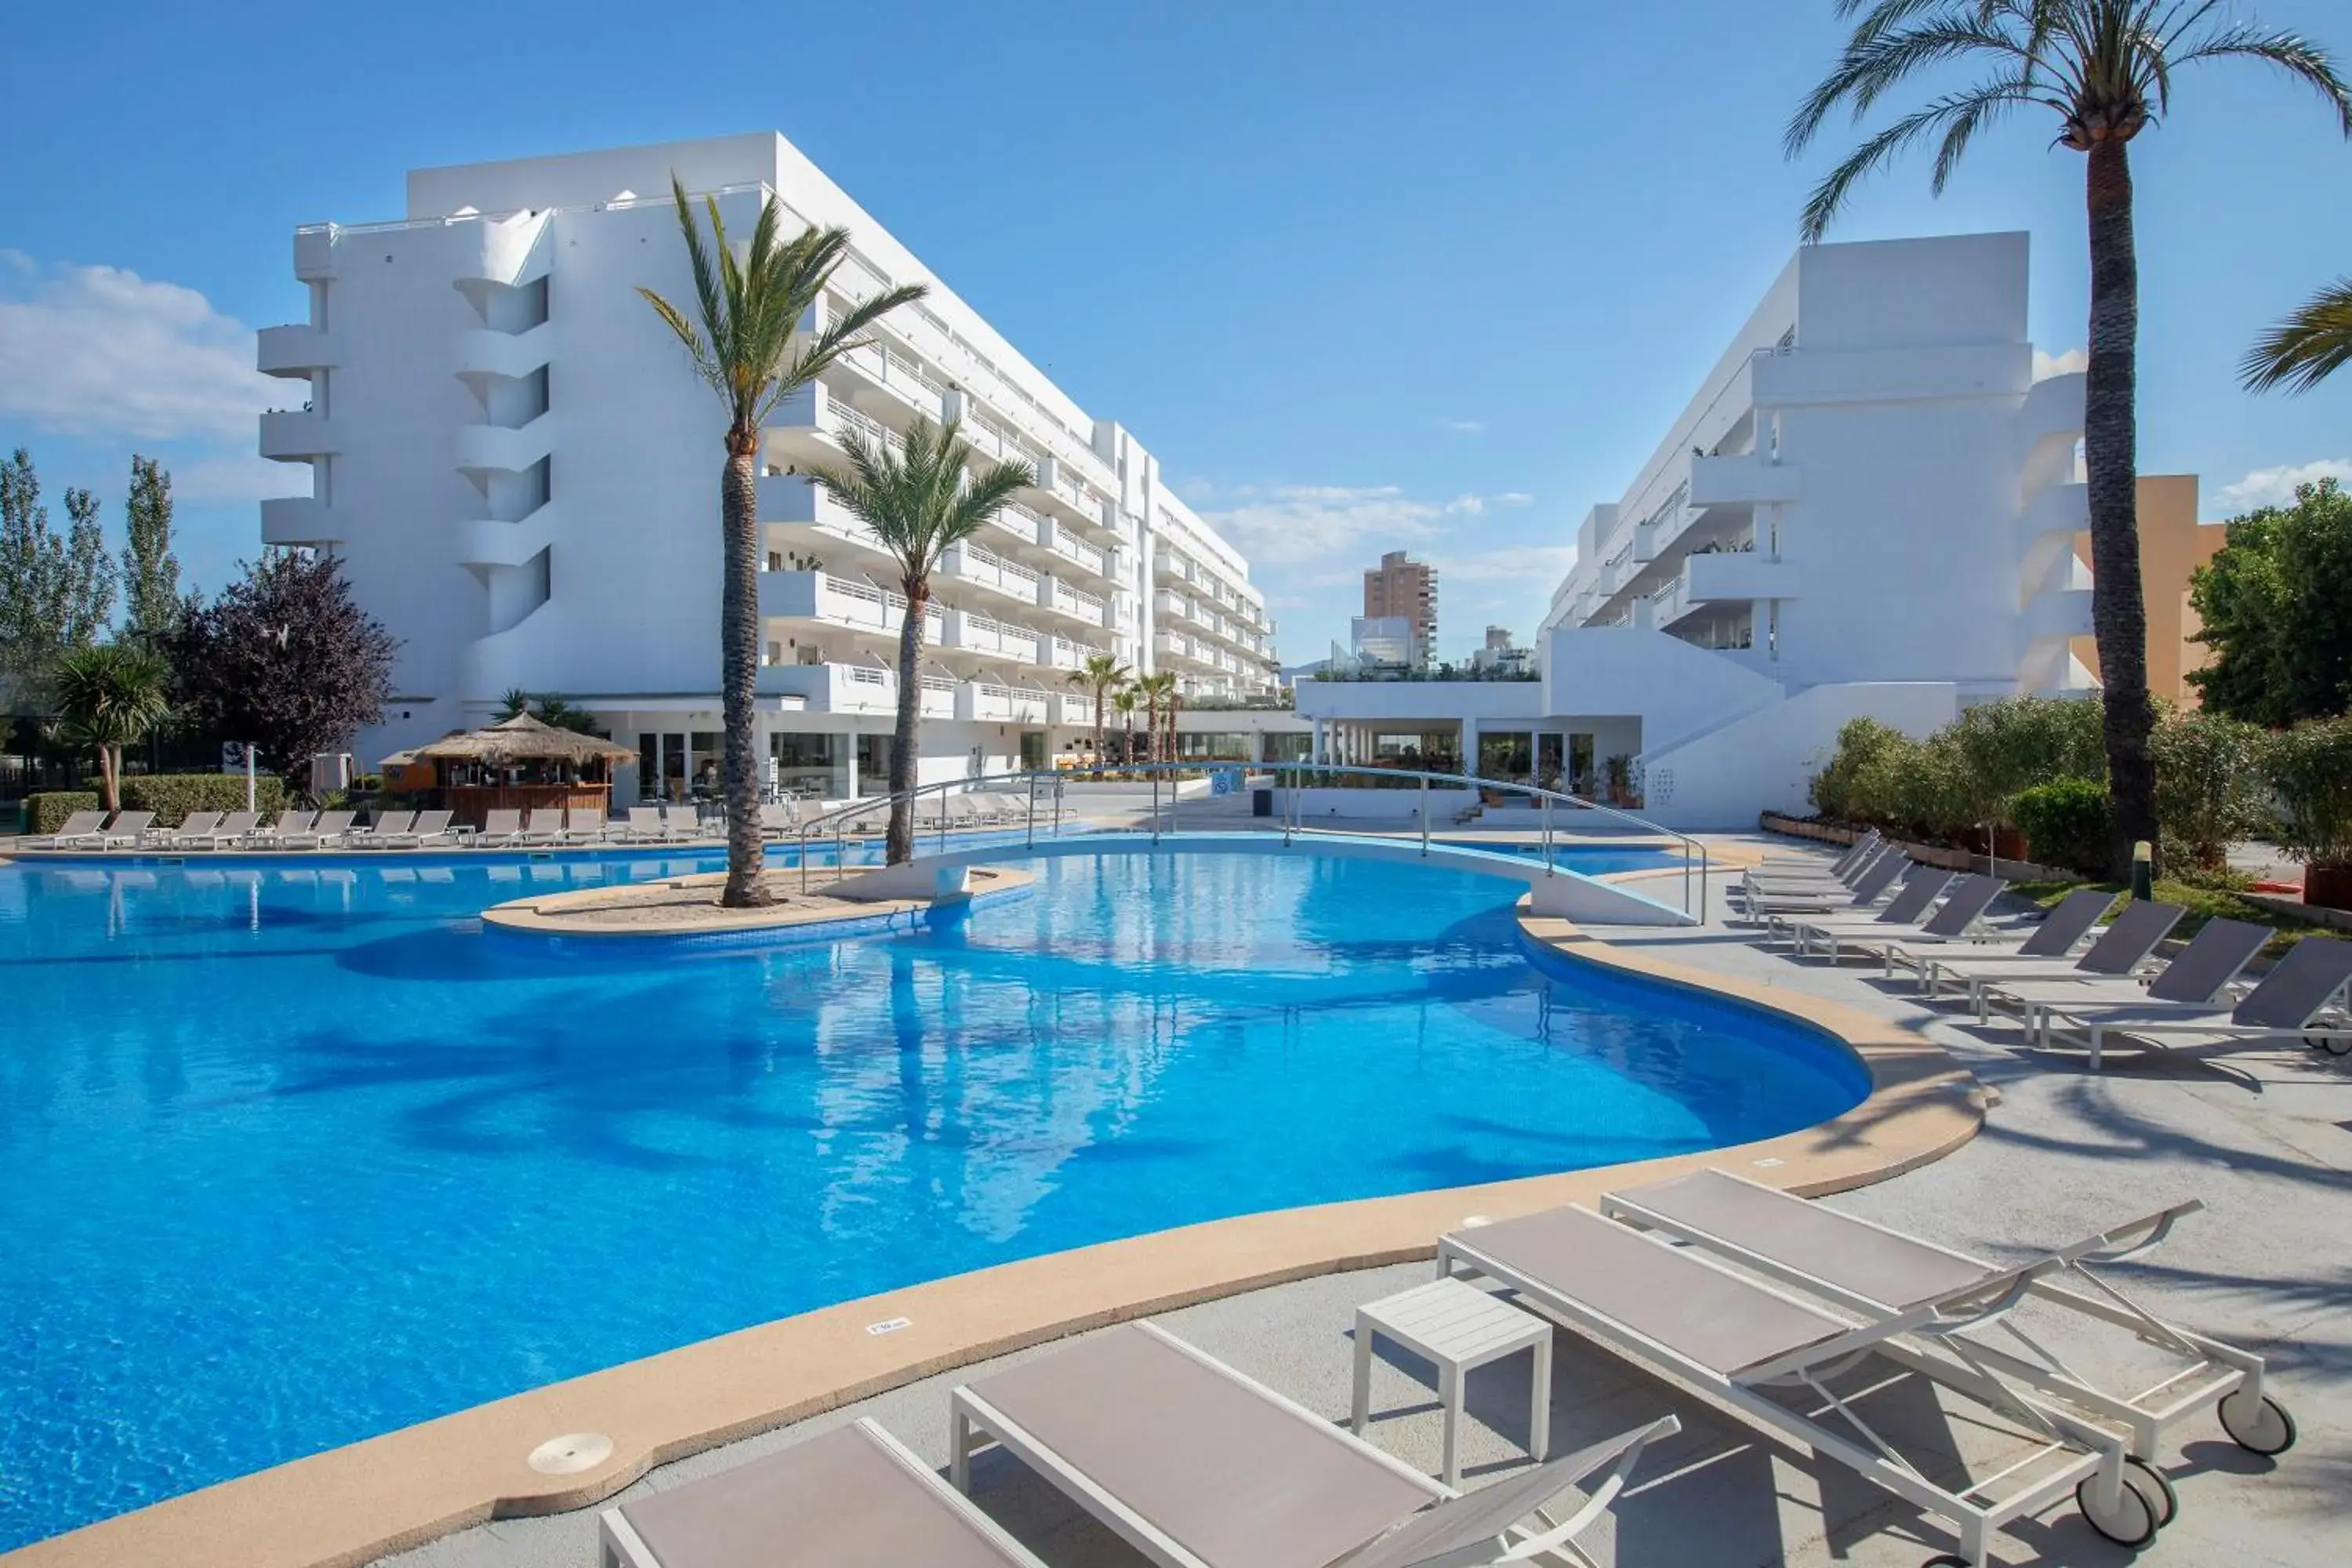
[292, 1155]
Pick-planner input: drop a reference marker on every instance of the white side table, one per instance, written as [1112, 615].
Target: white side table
[1459, 1327]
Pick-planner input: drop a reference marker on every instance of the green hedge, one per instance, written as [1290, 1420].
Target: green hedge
[171, 796]
[46, 812]
[2065, 823]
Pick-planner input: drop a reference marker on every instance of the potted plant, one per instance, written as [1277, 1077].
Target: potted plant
[2310, 772]
[1619, 770]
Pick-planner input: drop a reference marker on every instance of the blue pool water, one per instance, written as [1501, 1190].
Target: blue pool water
[293, 1155]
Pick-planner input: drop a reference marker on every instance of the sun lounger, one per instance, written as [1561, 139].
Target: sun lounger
[2054, 935]
[2120, 950]
[776, 821]
[500, 827]
[272, 834]
[1873, 884]
[541, 825]
[2283, 1001]
[1732, 1338]
[1902, 912]
[2191, 982]
[228, 830]
[1966, 899]
[195, 826]
[1806, 859]
[381, 832]
[1879, 1272]
[74, 826]
[681, 822]
[1196, 1466]
[124, 831]
[329, 829]
[582, 826]
[1844, 871]
[644, 825]
[854, 1498]
[428, 827]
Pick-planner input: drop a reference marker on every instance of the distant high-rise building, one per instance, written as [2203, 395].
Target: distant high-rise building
[1404, 589]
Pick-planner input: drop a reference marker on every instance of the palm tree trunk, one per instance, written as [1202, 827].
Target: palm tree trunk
[1099, 690]
[739, 618]
[900, 845]
[109, 775]
[2110, 442]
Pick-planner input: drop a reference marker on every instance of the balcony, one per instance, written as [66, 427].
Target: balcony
[314, 251]
[295, 351]
[300, 520]
[968, 562]
[968, 632]
[499, 448]
[839, 602]
[1064, 654]
[299, 435]
[985, 701]
[1750, 480]
[1056, 537]
[511, 251]
[1739, 575]
[880, 371]
[1060, 598]
[487, 542]
[853, 689]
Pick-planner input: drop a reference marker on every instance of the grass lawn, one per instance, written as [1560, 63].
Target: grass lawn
[2203, 903]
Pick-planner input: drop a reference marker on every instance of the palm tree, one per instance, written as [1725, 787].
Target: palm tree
[1124, 700]
[2307, 347]
[743, 344]
[1100, 674]
[2106, 69]
[107, 697]
[1155, 688]
[1171, 700]
[920, 499]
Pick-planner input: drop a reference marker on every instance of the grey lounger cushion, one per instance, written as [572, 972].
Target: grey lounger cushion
[1700, 1312]
[1239, 1481]
[1896, 1271]
[842, 1500]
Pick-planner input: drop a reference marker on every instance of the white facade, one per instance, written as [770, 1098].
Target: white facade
[1869, 508]
[521, 473]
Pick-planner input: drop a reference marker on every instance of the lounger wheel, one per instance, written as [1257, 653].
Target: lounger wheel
[2333, 1048]
[2155, 1485]
[1948, 1560]
[2130, 1525]
[2264, 1429]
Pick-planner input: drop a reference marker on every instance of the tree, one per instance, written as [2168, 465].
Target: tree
[1101, 674]
[743, 344]
[108, 697]
[2106, 68]
[552, 711]
[1169, 701]
[1125, 699]
[2276, 605]
[151, 572]
[56, 593]
[1157, 689]
[283, 658]
[2307, 347]
[920, 498]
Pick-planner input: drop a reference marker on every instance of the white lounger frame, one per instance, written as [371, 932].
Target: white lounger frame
[969, 1414]
[620, 1546]
[2214, 1371]
[2072, 1453]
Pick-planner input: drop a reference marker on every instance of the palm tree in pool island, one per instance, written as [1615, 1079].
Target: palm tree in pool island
[2106, 68]
[743, 340]
[921, 497]
[1101, 674]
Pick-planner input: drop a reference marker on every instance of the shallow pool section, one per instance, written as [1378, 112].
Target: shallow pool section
[293, 1155]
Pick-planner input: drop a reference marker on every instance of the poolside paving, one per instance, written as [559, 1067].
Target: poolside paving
[2263, 1136]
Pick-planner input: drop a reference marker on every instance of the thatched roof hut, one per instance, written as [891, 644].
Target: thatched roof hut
[521, 741]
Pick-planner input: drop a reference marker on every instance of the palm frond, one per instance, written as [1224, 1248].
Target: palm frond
[2297, 56]
[2305, 348]
[1877, 60]
[1957, 114]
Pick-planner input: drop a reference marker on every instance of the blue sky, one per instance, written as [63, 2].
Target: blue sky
[1366, 275]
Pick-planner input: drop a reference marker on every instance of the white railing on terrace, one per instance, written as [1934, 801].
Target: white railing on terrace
[1013, 569]
[848, 421]
[1087, 604]
[1084, 554]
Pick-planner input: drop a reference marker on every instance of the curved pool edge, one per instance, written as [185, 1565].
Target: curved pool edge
[350, 1505]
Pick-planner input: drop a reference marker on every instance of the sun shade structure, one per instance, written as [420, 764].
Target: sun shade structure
[519, 763]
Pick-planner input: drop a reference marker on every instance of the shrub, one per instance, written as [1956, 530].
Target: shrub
[46, 812]
[2310, 772]
[1857, 783]
[2064, 824]
[171, 797]
[2208, 787]
[2014, 744]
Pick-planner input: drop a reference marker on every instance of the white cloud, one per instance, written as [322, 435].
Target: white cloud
[1299, 525]
[1519, 564]
[99, 351]
[1465, 426]
[2068, 363]
[2275, 487]
[1514, 498]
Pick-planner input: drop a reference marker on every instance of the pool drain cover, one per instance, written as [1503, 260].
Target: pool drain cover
[571, 1453]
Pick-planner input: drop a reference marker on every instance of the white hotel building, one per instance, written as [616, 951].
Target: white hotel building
[511, 457]
[1870, 506]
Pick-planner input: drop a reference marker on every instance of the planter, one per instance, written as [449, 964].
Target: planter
[2329, 887]
[2008, 843]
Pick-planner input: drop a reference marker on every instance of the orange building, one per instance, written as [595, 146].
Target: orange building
[2172, 545]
